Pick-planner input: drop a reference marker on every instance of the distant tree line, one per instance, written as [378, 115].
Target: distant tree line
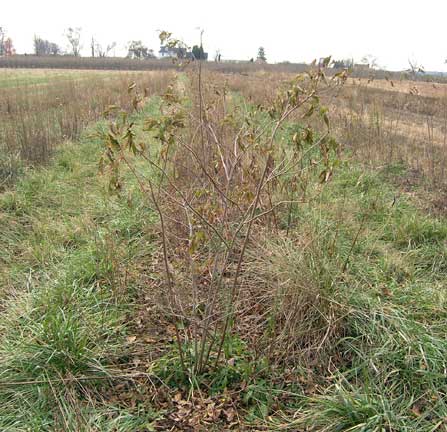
[137, 50]
[43, 47]
[343, 64]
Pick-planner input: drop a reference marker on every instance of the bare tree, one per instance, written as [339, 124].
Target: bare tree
[73, 36]
[92, 47]
[6, 44]
[136, 49]
[43, 47]
[98, 50]
[55, 49]
[217, 56]
[370, 61]
[2, 40]
[104, 52]
[415, 67]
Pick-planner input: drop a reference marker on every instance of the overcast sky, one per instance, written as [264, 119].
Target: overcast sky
[392, 30]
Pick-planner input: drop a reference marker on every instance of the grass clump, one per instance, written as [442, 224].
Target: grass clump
[350, 409]
[68, 258]
[387, 296]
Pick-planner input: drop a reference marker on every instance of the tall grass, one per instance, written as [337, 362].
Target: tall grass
[394, 124]
[67, 289]
[380, 121]
[39, 113]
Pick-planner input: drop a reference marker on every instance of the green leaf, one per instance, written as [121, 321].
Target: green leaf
[197, 240]
[113, 141]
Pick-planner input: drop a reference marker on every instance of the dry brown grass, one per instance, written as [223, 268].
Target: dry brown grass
[293, 284]
[422, 88]
[40, 109]
[382, 124]
[380, 121]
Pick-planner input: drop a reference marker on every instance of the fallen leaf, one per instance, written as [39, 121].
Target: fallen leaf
[416, 411]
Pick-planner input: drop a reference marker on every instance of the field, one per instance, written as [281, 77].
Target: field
[13, 78]
[192, 250]
[42, 108]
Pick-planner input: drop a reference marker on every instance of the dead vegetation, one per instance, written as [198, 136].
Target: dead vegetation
[40, 112]
[380, 121]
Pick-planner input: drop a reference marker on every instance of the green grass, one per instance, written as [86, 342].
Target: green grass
[65, 247]
[13, 78]
[70, 262]
[392, 360]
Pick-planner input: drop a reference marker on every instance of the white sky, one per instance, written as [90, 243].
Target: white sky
[391, 30]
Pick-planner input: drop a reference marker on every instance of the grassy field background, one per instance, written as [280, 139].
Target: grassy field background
[23, 77]
[30, 77]
[40, 109]
[86, 344]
